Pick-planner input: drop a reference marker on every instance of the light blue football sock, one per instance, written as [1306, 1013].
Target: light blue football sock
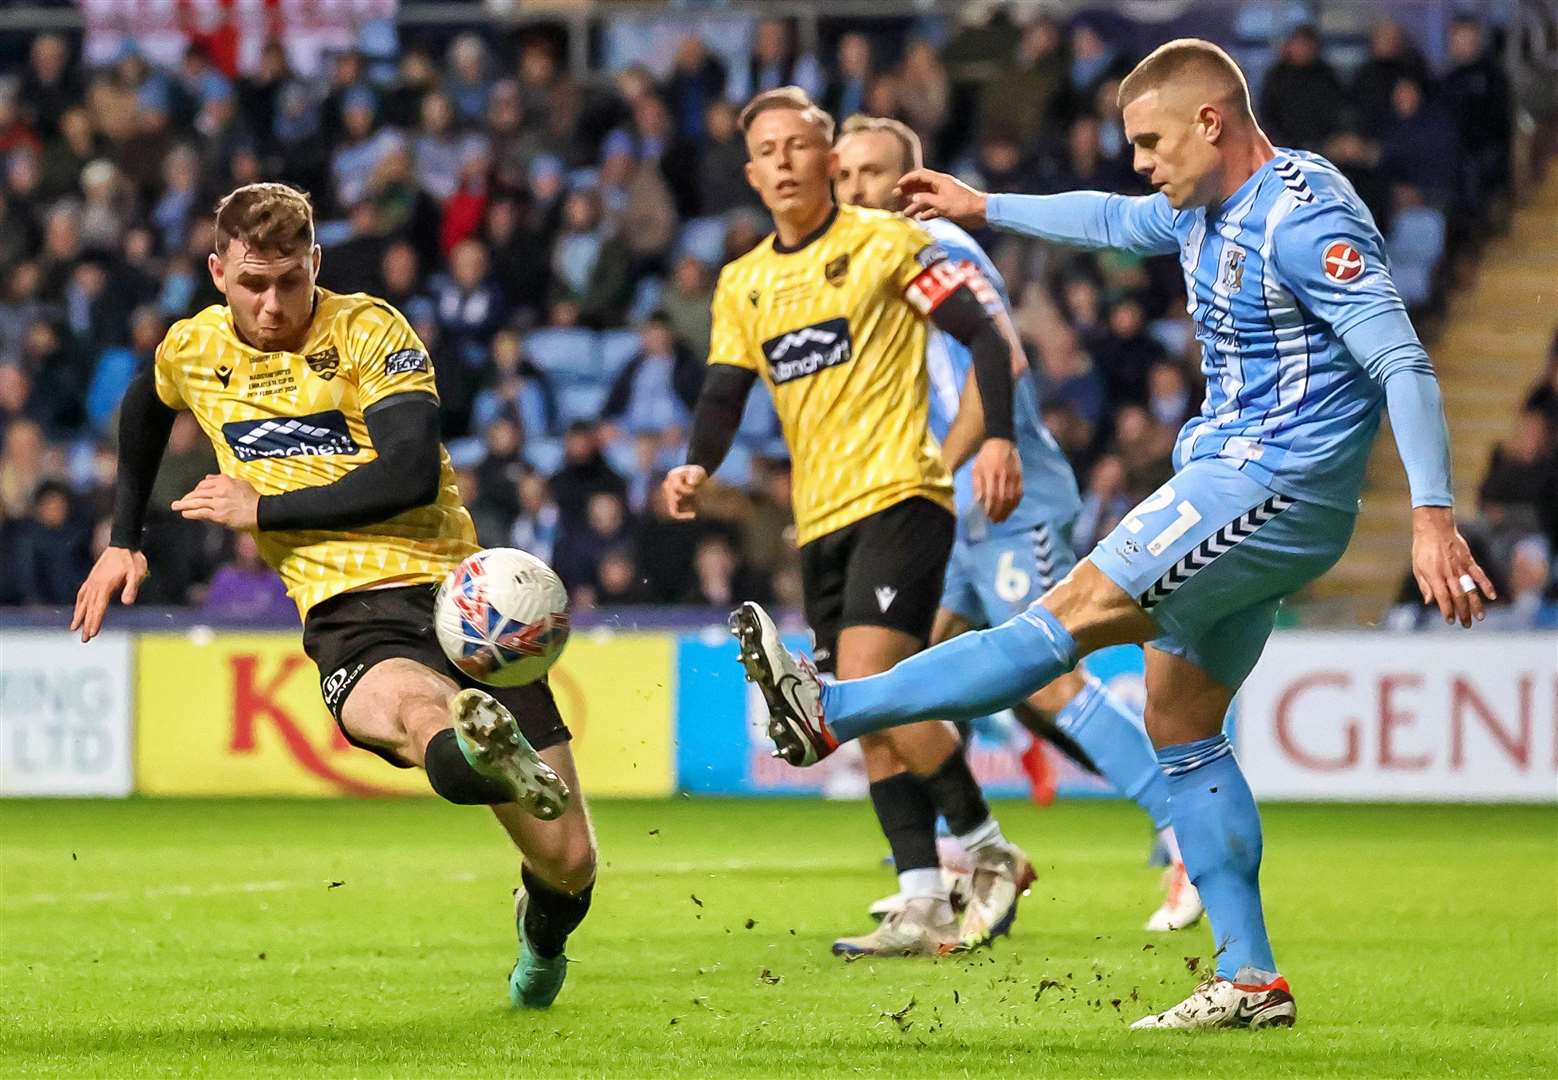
[1110, 732]
[969, 676]
[1219, 835]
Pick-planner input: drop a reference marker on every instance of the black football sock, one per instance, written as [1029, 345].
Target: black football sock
[550, 915]
[908, 819]
[956, 794]
[454, 778]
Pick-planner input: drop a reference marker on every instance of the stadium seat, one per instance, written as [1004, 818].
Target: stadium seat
[568, 354]
[581, 401]
[545, 456]
[617, 347]
[646, 298]
[704, 239]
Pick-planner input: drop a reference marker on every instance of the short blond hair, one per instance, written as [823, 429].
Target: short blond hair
[913, 152]
[272, 217]
[1174, 59]
[787, 97]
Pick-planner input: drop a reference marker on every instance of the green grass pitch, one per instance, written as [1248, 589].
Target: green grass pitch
[372, 939]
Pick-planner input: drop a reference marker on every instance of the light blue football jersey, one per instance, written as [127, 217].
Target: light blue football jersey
[1049, 486]
[1283, 281]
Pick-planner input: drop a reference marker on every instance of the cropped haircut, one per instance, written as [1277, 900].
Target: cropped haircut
[1187, 56]
[913, 153]
[787, 97]
[270, 217]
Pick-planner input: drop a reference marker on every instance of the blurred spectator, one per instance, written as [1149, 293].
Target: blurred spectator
[361, 149]
[497, 481]
[1415, 244]
[924, 94]
[1081, 165]
[518, 256]
[584, 473]
[638, 201]
[1544, 396]
[55, 368]
[697, 81]
[50, 84]
[65, 156]
[773, 62]
[517, 388]
[437, 148]
[24, 464]
[591, 266]
[118, 364]
[618, 580]
[1476, 94]
[1519, 490]
[539, 521]
[655, 393]
[1522, 604]
[1124, 353]
[718, 577]
[1094, 61]
[722, 183]
[355, 264]
[469, 77]
[1105, 500]
[180, 197]
[52, 548]
[583, 544]
[686, 304]
[260, 93]
[1392, 57]
[1419, 144]
[1019, 100]
[1299, 95]
[1169, 401]
[850, 78]
[246, 589]
[1144, 447]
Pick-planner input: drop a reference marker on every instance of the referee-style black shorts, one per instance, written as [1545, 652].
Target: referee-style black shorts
[883, 570]
[347, 634]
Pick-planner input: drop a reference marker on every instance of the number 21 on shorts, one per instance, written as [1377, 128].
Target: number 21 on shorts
[1185, 516]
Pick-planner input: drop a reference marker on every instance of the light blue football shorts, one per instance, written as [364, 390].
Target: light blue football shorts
[1211, 554]
[993, 580]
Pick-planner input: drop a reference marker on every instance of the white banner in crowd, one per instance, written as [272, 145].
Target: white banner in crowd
[64, 714]
[1438, 717]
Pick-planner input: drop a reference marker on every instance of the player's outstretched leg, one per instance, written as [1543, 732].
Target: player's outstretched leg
[488, 740]
[972, 675]
[1219, 833]
[559, 881]
[1110, 733]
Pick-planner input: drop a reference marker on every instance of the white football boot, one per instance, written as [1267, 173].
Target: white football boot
[1002, 874]
[789, 684]
[923, 926]
[958, 883]
[1181, 905]
[1225, 1004]
[491, 741]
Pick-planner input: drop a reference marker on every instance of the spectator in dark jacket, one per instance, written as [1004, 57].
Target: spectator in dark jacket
[656, 391]
[584, 473]
[53, 548]
[1392, 56]
[1300, 94]
[1419, 145]
[1476, 95]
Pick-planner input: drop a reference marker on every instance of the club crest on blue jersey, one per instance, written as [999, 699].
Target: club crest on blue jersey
[1233, 269]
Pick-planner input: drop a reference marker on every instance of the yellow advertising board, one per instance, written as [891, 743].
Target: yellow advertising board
[240, 714]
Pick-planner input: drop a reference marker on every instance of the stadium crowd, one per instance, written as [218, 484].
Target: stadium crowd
[555, 243]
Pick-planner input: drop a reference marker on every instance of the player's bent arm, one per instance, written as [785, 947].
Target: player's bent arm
[963, 315]
[144, 426]
[405, 475]
[1089, 219]
[717, 415]
[967, 429]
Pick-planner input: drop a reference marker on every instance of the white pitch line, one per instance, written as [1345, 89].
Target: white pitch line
[155, 892]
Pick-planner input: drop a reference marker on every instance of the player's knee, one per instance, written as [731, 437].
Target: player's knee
[1095, 611]
[571, 864]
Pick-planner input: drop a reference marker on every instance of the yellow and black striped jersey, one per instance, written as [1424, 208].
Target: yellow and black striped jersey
[288, 420]
[836, 330]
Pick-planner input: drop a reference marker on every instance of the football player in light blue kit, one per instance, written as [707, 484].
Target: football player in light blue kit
[998, 569]
[1304, 341]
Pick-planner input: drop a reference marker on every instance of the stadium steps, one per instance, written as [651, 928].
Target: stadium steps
[1489, 355]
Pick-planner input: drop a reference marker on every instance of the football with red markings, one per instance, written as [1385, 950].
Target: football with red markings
[502, 617]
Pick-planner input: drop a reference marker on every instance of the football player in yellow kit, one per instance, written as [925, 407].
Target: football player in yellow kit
[323, 412]
[831, 312]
